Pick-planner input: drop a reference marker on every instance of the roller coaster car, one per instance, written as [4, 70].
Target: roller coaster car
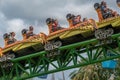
[82, 32]
[59, 38]
[21, 48]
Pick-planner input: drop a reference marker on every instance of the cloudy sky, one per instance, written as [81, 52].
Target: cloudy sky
[18, 14]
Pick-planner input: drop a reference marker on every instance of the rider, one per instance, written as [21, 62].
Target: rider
[77, 19]
[103, 6]
[12, 35]
[6, 37]
[104, 9]
[9, 38]
[106, 12]
[27, 33]
[70, 18]
[24, 33]
[30, 32]
[53, 25]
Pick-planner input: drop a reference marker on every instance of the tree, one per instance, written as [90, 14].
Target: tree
[95, 72]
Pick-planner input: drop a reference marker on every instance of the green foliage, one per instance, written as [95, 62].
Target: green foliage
[96, 72]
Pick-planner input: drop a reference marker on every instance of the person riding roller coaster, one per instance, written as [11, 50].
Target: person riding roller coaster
[53, 25]
[107, 12]
[24, 33]
[103, 11]
[77, 19]
[30, 32]
[86, 21]
[73, 20]
[27, 33]
[9, 38]
[70, 18]
[12, 34]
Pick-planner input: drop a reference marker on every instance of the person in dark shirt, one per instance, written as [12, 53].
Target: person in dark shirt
[86, 21]
[104, 9]
[56, 26]
[12, 35]
[103, 6]
[107, 12]
[9, 38]
[53, 25]
[77, 19]
[27, 33]
[30, 32]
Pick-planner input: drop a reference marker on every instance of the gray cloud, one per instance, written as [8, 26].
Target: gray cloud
[32, 9]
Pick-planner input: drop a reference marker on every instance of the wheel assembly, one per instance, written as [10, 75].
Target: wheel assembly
[48, 46]
[7, 57]
[57, 44]
[5, 60]
[53, 53]
[52, 45]
[103, 33]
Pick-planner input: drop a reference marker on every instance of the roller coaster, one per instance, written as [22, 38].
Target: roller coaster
[63, 49]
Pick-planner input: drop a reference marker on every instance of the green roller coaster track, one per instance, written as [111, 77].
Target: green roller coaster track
[68, 57]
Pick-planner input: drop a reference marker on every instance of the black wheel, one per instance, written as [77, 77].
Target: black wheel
[103, 33]
[10, 56]
[109, 32]
[48, 46]
[98, 33]
[57, 44]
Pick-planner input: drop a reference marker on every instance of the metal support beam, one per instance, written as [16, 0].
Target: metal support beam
[37, 64]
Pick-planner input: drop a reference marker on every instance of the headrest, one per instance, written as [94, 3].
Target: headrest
[24, 31]
[96, 6]
[6, 35]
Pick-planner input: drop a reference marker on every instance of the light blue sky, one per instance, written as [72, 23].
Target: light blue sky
[18, 14]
